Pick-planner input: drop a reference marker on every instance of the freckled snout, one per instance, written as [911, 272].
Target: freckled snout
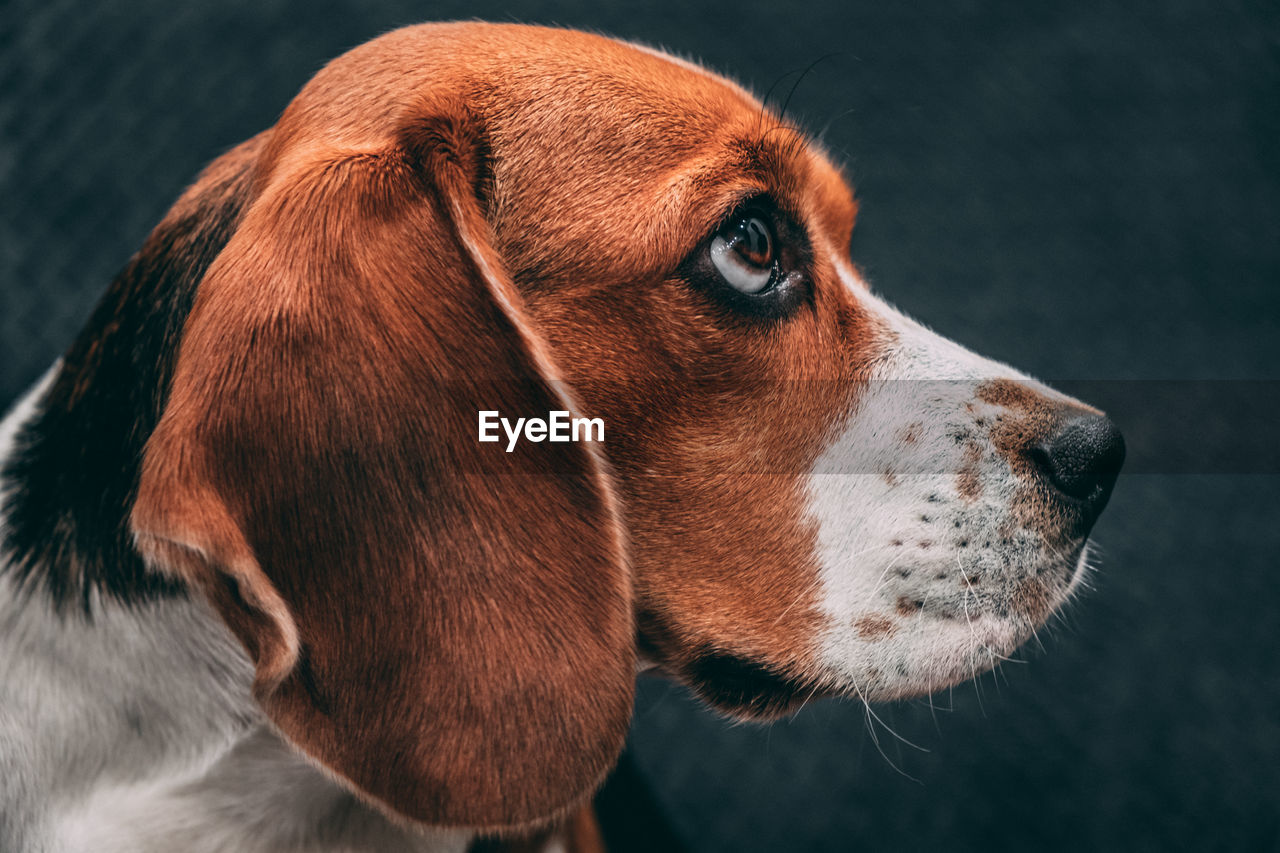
[1081, 460]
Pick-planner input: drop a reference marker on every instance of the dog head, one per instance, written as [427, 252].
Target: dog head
[801, 491]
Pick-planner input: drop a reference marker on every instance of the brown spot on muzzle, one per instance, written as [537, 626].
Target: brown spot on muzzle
[1032, 418]
[907, 606]
[1009, 394]
[875, 628]
[1032, 599]
[968, 482]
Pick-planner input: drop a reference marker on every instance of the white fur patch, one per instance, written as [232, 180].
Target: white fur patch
[920, 556]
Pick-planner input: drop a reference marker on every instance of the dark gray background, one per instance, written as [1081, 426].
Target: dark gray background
[1084, 190]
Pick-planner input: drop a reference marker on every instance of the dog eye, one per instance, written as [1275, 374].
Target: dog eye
[744, 253]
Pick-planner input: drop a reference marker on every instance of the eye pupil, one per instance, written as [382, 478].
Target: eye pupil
[744, 253]
[754, 244]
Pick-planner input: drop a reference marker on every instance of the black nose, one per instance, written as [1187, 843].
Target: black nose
[1082, 459]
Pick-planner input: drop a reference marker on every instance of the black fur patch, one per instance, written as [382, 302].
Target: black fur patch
[744, 687]
[75, 467]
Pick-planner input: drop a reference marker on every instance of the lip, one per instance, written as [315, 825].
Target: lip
[746, 688]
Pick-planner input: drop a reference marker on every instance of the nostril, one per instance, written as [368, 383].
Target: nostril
[1040, 457]
[1082, 459]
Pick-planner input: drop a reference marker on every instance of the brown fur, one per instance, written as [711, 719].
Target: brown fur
[310, 474]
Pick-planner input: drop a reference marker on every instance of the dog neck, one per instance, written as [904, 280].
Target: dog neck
[127, 723]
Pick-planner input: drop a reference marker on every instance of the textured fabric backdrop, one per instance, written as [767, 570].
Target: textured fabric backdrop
[1086, 191]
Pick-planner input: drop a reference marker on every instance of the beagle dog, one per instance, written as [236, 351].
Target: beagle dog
[264, 588]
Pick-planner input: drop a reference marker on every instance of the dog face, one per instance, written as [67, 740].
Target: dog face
[822, 496]
[801, 492]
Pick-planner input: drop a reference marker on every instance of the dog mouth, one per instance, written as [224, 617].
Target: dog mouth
[933, 643]
[735, 685]
[747, 689]
[929, 625]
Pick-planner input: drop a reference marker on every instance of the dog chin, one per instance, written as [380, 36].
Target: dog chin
[941, 647]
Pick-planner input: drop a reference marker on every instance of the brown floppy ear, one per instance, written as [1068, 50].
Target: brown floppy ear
[444, 625]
